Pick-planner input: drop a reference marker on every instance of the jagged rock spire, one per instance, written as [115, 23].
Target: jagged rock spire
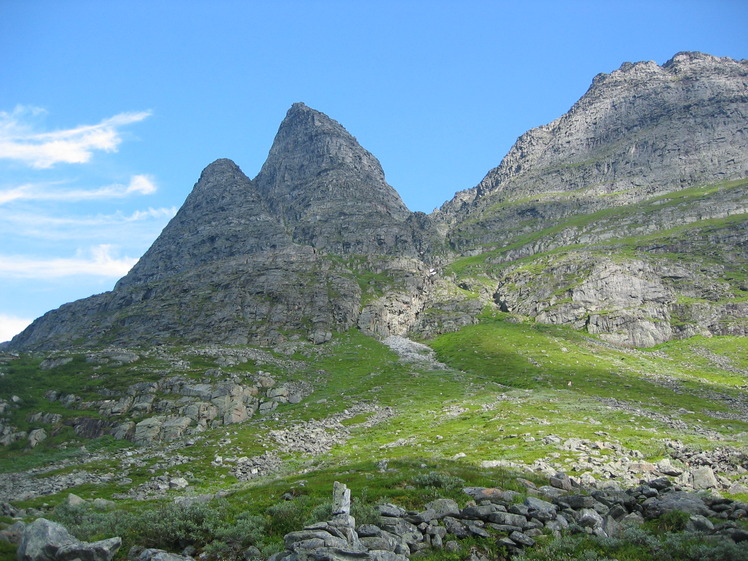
[330, 191]
[224, 216]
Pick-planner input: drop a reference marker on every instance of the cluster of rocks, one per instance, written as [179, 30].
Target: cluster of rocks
[602, 461]
[9, 433]
[312, 438]
[72, 472]
[21, 486]
[410, 351]
[167, 409]
[561, 507]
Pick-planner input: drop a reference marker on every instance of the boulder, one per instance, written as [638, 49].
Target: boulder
[102, 550]
[36, 436]
[675, 500]
[48, 541]
[589, 518]
[41, 540]
[440, 508]
[703, 477]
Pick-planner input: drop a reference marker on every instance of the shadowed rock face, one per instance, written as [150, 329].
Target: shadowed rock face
[329, 191]
[318, 242]
[224, 216]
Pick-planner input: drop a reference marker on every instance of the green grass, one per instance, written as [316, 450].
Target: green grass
[506, 388]
[613, 219]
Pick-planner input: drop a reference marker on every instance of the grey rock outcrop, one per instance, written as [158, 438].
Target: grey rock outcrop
[48, 541]
[400, 534]
[169, 408]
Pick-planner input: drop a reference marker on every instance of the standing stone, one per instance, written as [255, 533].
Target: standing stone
[341, 506]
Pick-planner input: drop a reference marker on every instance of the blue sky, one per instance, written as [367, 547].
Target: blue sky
[110, 110]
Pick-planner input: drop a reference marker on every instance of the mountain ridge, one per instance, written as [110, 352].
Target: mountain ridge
[647, 150]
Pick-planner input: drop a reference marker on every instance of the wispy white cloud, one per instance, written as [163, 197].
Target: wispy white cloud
[138, 185]
[41, 225]
[19, 141]
[98, 261]
[12, 325]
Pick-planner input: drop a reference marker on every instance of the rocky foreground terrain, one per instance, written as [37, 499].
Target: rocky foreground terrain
[550, 366]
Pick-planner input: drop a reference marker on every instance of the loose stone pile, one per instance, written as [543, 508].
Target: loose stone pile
[562, 506]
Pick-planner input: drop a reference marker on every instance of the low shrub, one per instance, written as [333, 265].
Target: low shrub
[672, 521]
[438, 480]
[636, 544]
[289, 516]
[230, 542]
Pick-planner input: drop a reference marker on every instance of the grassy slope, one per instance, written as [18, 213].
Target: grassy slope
[506, 381]
[507, 386]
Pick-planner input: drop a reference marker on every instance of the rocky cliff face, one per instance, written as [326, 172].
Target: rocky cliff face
[640, 131]
[329, 191]
[644, 178]
[625, 217]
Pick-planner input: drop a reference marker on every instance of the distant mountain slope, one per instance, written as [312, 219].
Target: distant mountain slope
[640, 131]
[625, 217]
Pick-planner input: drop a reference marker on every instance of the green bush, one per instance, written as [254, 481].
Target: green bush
[438, 480]
[174, 527]
[289, 516]
[231, 541]
[672, 521]
[171, 526]
[363, 512]
[320, 513]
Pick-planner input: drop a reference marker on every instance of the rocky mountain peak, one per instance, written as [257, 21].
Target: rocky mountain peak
[330, 192]
[309, 142]
[638, 131]
[224, 216]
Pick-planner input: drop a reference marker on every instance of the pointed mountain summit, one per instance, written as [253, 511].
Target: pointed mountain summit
[330, 192]
[224, 216]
